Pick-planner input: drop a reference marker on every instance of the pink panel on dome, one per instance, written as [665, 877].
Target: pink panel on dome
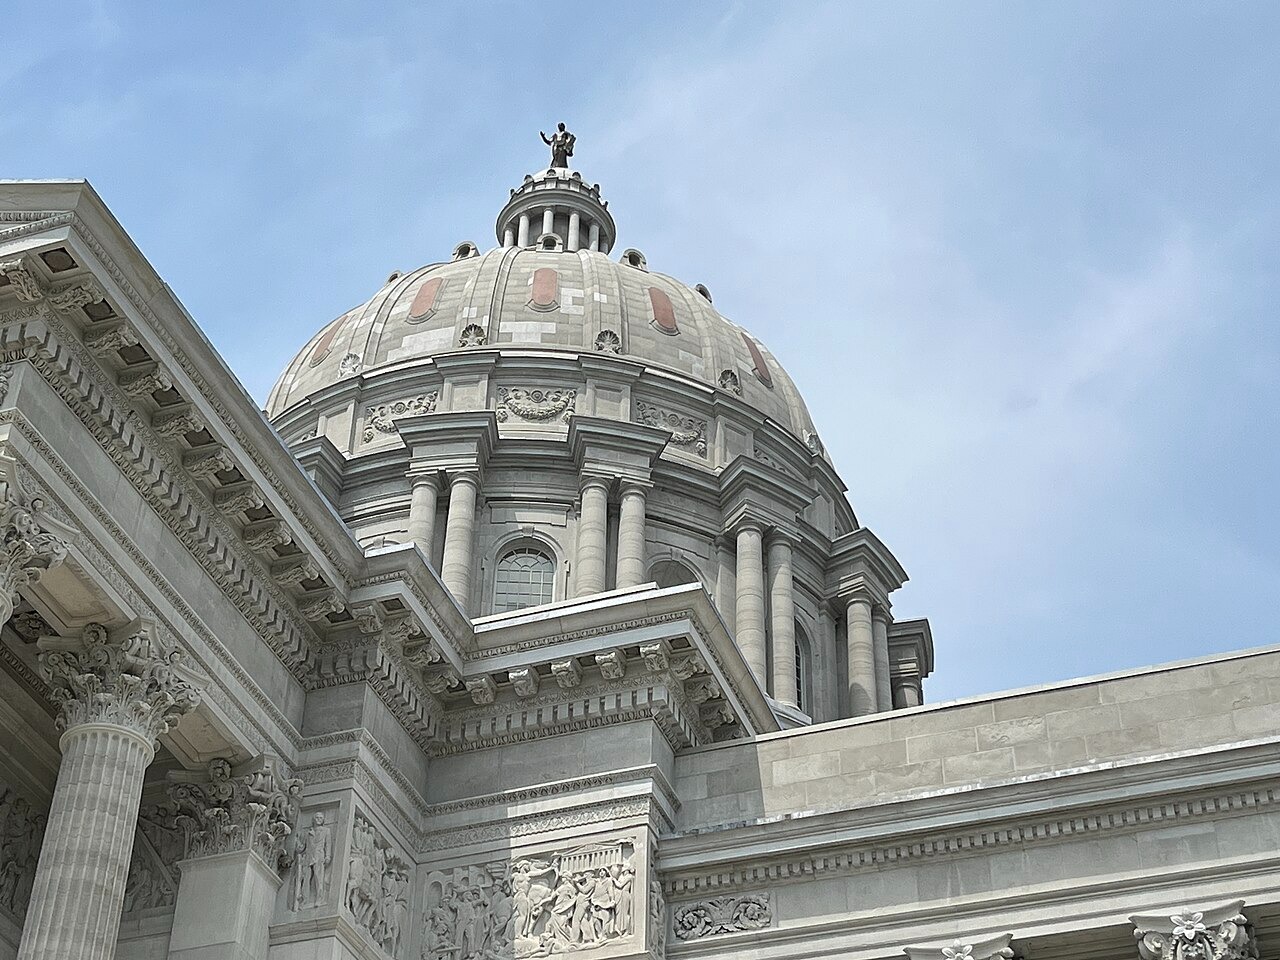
[325, 343]
[757, 360]
[425, 300]
[664, 315]
[546, 289]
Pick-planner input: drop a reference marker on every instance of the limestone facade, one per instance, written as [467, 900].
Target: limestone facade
[307, 687]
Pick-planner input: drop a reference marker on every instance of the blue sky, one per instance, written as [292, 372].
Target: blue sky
[1021, 259]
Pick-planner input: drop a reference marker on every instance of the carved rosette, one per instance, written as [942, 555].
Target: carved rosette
[222, 813]
[717, 915]
[1213, 933]
[535, 406]
[382, 417]
[26, 551]
[685, 431]
[131, 683]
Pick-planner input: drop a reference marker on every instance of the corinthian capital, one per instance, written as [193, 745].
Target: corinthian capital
[130, 682]
[222, 810]
[26, 551]
[1190, 933]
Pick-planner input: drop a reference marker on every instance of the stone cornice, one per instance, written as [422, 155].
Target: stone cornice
[158, 475]
[859, 561]
[1046, 808]
[644, 613]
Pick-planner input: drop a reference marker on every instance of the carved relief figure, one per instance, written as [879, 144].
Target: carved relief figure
[21, 830]
[153, 873]
[312, 857]
[377, 888]
[576, 900]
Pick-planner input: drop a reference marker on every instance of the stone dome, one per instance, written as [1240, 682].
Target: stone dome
[548, 297]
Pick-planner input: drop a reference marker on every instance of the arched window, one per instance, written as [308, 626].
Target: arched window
[804, 671]
[671, 573]
[525, 577]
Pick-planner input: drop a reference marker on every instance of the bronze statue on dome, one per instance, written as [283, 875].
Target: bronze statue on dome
[561, 144]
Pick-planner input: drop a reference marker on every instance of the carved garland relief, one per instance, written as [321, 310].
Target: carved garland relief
[581, 899]
[535, 405]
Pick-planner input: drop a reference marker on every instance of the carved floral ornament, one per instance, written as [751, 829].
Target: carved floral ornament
[584, 898]
[1213, 933]
[966, 948]
[718, 915]
[26, 550]
[535, 405]
[220, 812]
[131, 682]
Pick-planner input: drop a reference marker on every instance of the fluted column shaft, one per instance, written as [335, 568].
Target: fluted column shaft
[79, 885]
[422, 514]
[593, 529]
[460, 536]
[782, 622]
[862, 658]
[631, 519]
[749, 604]
[880, 637]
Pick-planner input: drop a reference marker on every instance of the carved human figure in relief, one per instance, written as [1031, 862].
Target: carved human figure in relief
[561, 143]
[622, 877]
[314, 854]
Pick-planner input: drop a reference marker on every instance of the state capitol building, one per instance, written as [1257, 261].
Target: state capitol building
[532, 618]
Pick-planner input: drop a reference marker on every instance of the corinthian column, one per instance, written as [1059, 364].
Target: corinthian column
[460, 536]
[422, 513]
[880, 638]
[114, 698]
[749, 600]
[25, 550]
[592, 533]
[631, 536]
[783, 620]
[862, 657]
